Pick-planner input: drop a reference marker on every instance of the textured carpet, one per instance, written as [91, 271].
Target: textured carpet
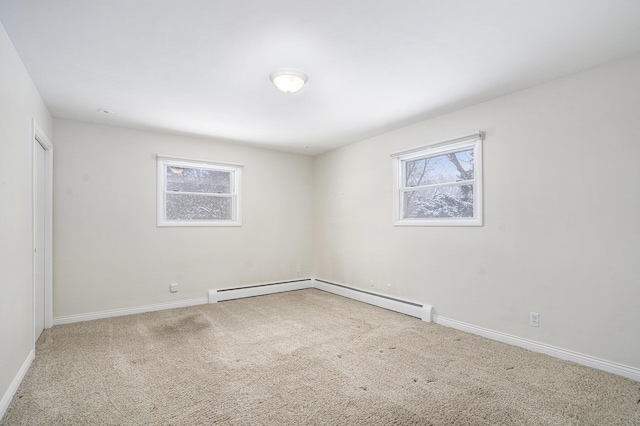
[303, 357]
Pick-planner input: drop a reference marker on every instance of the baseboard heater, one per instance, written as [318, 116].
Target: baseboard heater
[216, 296]
[424, 312]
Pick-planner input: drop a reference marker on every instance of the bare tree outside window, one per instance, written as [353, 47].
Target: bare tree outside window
[442, 201]
[440, 184]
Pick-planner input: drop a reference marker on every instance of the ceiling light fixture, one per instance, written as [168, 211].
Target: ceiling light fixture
[288, 80]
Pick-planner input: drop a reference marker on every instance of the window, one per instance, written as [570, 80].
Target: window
[198, 193]
[439, 184]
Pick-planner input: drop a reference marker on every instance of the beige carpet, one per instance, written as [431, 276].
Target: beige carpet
[304, 357]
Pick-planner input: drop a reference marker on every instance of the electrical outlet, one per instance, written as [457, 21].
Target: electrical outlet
[534, 319]
[173, 287]
[389, 288]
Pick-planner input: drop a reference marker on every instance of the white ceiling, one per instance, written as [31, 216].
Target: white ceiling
[202, 66]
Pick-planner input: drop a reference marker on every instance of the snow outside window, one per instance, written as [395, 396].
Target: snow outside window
[198, 193]
[439, 184]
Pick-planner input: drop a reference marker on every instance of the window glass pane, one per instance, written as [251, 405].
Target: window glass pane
[186, 179]
[198, 207]
[453, 167]
[449, 201]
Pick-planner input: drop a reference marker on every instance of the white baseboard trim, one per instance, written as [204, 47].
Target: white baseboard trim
[216, 296]
[424, 312]
[213, 296]
[128, 311]
[15, 383]
[565, 354]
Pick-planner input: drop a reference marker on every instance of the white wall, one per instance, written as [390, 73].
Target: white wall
[108, 252]
[562, 208]
[19, 103]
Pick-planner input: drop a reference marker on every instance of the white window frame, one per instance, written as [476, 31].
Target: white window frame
[236, 190]
[400, 158]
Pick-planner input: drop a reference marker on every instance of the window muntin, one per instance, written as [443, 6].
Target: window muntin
[440, 184]
[196, 193]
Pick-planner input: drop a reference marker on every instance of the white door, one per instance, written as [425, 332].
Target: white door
[39, 238]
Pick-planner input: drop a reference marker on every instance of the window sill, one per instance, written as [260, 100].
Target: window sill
[187, 223]
[438, 222]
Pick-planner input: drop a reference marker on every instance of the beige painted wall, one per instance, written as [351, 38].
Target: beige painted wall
[562, 208]
[19, 103]
[561, 234]
[108, 252]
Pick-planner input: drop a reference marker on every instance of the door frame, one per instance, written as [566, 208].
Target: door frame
[40, 138]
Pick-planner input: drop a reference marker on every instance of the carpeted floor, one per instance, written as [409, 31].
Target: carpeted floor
[303, 357]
